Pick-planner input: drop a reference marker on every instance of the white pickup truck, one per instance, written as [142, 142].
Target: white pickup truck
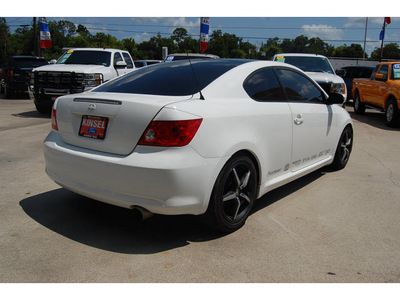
[76, 71]
[320, 69]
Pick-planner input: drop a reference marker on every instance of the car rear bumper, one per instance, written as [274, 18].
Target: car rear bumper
[164, 181]
[17, 86]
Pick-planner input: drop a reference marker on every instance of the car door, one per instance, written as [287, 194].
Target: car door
[312, 120]
[119, 70]
[379, 88]
[273, 119]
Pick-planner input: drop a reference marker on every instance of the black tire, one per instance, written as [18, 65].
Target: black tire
[233, 195]
[8, 93]
[392, 113]
[43, 109]
[343, 149]
[359, 107]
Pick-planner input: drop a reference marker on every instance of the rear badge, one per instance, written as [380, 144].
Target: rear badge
[93, 127]
[92, 107]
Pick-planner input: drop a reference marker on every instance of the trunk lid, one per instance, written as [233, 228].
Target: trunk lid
[108, 122]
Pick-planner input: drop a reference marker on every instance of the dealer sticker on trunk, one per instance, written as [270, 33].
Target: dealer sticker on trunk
[93, 127]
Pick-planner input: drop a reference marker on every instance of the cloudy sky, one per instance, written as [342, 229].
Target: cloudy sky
[252, 21]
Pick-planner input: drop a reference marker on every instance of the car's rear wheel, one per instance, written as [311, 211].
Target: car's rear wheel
[392, 113]
[359, 107]
[233, 194]
[343, 149]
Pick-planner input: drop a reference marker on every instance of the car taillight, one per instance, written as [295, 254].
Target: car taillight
[170, 133]
[10, 73]
[54, 124]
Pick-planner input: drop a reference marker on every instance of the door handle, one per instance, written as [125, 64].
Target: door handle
[299, 119]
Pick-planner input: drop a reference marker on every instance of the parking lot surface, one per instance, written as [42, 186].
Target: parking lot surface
[326, 227]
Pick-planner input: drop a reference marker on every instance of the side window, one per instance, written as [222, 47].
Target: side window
[128, 60]
[263, 85]
[298, 87]
[384, 71]
[374, 72]
[117, 57]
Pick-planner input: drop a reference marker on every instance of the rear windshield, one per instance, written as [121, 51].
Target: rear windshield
[308, 63]
[84, 57]
[171, 79]
[28, 62]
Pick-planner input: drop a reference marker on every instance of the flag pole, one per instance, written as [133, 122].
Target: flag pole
[383, 37]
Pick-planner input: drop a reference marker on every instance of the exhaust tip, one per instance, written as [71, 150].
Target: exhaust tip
[143, 212]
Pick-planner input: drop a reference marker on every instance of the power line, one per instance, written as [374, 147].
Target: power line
[242, 37]
[226, 27]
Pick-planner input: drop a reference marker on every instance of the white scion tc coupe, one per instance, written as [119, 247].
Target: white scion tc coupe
[196, 137]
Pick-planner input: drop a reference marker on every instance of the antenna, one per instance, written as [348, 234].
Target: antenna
[195, 77]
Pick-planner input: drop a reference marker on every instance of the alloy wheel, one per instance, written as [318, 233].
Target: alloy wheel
[238, 192]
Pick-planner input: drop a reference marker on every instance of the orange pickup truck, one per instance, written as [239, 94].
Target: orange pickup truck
[381, 91]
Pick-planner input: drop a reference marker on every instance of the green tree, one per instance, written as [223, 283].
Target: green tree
[390, 51]
[352, 51]
[223, 44]
[129, 45]
[21, 42]
[84, 32]
[316, 45]
[79, 42]
[188, 45]
[179, 34]
[4, 40]
[152, 49]
[102, 40]
[270, 49]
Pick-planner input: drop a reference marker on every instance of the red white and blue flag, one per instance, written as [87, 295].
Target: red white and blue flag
[45, 39]
[386, 22]
[204, 28]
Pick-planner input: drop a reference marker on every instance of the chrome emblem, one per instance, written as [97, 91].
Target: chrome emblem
[92, 107]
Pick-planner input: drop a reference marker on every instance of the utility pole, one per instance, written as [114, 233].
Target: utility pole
[365, 36]
[35, 38]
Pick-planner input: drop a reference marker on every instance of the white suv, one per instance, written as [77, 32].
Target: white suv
[318, 68]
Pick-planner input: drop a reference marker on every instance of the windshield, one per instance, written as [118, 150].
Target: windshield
[396, 71]
[173, 79]
[307, 63]
[85, 57]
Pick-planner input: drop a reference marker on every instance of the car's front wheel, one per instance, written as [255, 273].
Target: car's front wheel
[233, 194]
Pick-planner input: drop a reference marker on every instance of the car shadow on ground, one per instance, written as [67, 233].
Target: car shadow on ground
[32, 114]
[371, 117]
[121, 230]
[21, 96]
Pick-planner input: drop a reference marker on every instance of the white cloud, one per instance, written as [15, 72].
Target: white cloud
[359, 22]
[324, 32]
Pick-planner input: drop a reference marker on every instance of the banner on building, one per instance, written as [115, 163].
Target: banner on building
[45, 39]
[204, 28]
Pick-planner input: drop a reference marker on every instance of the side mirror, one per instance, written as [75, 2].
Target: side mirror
[340, 72]
[380, 77]
[120, 64]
